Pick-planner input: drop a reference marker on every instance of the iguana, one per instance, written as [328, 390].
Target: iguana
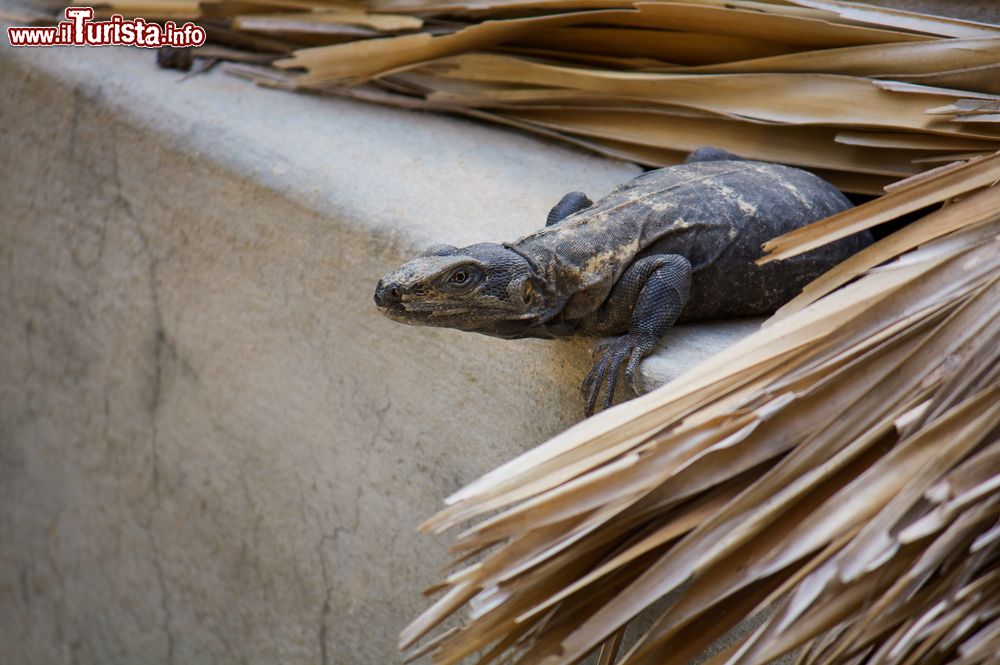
[673, 244]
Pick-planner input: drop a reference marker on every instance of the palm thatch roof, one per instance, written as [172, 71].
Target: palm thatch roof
[844, 462]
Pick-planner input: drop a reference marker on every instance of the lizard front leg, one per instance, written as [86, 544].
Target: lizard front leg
[650, 296]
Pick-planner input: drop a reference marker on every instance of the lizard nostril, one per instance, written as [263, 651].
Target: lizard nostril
[387, 295]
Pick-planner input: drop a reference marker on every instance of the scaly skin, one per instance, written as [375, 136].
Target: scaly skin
[674, 244]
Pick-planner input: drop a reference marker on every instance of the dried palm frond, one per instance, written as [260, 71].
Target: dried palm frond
[861, 94]
[845, 458]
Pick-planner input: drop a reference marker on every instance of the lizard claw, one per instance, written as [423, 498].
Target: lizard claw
[611, 354]
[592, 384]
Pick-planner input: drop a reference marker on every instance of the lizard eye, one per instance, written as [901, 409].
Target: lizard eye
[461, 279]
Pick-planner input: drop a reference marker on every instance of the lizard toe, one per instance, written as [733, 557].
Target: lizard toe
[617, 356]
[601, 348]
[642, 346]
[631, 370]
[592, 383]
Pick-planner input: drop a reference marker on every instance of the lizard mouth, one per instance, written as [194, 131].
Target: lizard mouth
[432, 309]
[445, 314]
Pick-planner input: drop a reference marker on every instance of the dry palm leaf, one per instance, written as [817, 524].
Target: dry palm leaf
[878, 93]
[846, 458]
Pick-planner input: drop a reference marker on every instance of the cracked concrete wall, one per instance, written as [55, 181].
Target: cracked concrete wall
[212, 448]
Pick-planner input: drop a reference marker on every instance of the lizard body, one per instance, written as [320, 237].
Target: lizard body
[673, 244]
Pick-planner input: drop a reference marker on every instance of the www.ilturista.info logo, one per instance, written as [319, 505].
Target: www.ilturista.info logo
[79, 30]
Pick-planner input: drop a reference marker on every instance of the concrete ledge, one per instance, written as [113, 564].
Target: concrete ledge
[212, 447]
[687, 346]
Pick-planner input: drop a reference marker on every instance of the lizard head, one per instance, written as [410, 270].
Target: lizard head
[485, 288]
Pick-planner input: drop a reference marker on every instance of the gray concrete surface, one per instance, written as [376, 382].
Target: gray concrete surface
[986, 11]
[212, 447]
